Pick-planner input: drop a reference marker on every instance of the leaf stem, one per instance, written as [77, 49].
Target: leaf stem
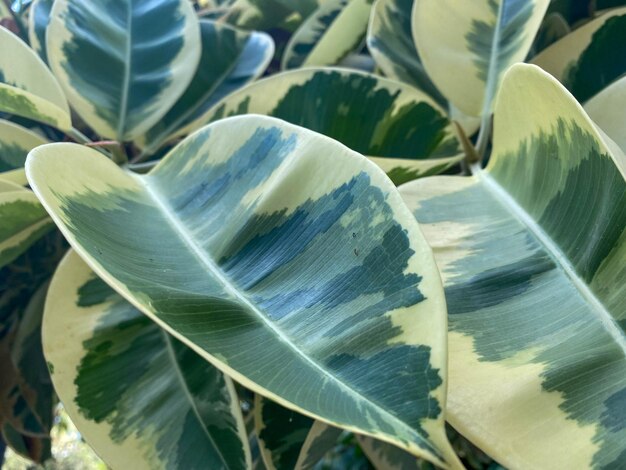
[484, 135]
[78, 136]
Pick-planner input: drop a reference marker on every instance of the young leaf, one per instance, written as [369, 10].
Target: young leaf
[403, 129]
[27, 87]
[123, 66]
[141, 398]
[466, 47]
[284, 258]
[532, 254]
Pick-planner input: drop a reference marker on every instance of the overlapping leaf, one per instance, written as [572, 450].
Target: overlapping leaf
[466, 47]
[123, 64]
[329, 34]
[588, 59]
[15, 143]
[24, 221]
[288, 439]
[402, 129]
[27, 87]
[38, 20]
[139, 396]
[608, 110]
[532, 254]
[230, 59]
[284, 258]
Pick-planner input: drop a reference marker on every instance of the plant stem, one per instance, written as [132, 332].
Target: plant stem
[78, 136]
[483, 138]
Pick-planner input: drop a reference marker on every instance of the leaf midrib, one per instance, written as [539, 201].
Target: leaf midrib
[554, 251]
[206, 261]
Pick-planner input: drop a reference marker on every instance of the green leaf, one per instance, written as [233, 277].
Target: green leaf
[27, 87]
[607, 111]
[288, 439]
[15, 143]
[38, 20]
[587, 60]
[140, 397]
[405, 131]
[230, 59]
[466, 47]
[123, 66]
[272, 267]
[24, 221]
[333, 31]
[532, 254]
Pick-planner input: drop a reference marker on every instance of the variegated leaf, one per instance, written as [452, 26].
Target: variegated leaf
[405, 131]
[123, 64]
[532, 254]
[38, 20]
[230, 59]
[466, 47]
[24, 221]
[333, 31]
[15, 143]
[390, 41]
[288, 439]
[141, 398]
[384, 456]
[588, 60]
[608, 110]
[267, 14]
[27, 87]
[274, 255]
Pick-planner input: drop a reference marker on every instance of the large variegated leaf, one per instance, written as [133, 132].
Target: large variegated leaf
[532, 254]
[587, 60]
[23, 221]
[402, 129]
[274, 254]
[38, 20]
[123, 64]
[467, 46]
[608, 110]
[390, 41]
[27, 87]
[15, 143]
[333, 31]
[141, 398]
[230, 59]
[288, 439]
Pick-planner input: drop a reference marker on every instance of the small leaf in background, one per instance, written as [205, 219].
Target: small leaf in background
[122, 68]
